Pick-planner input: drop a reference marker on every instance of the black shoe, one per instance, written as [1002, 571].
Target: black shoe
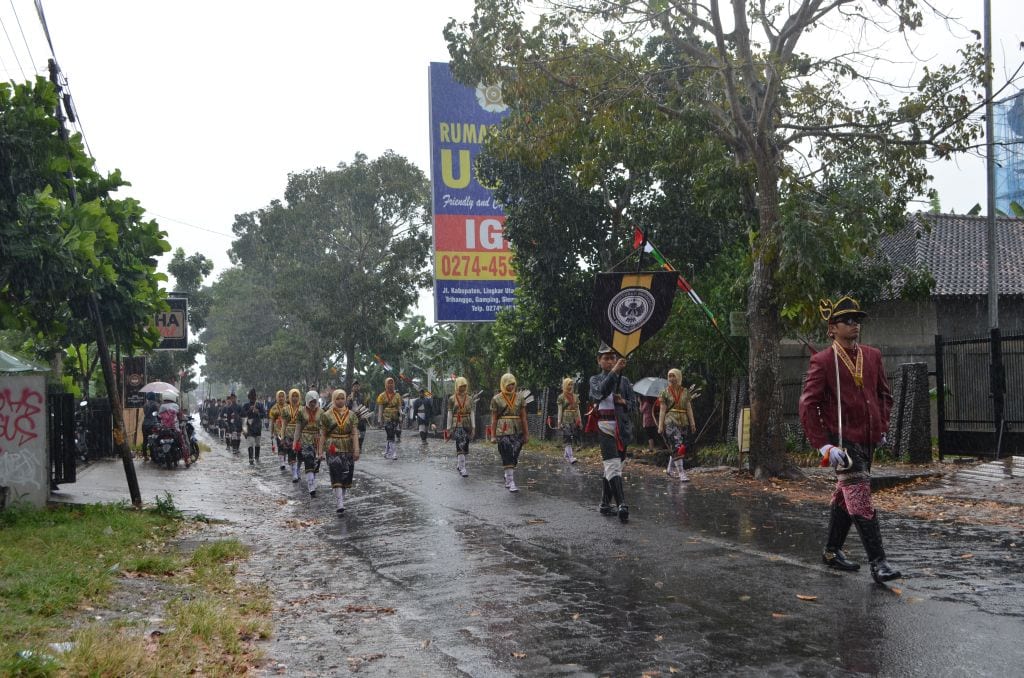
[312, 493]
[282, 467]
[295, 480]
[623, 513]
[340, 511]
[607, 510]
[252, 463]
[836, 559]
[881, 572]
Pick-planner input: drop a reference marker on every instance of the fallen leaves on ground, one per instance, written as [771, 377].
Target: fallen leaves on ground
[297, 524]
[777, 615]
[368, 609]
[802, 596]
[519, 655]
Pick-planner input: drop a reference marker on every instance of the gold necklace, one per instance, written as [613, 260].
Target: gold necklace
[856, 370]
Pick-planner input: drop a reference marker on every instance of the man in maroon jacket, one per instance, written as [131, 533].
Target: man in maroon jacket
[844, 409]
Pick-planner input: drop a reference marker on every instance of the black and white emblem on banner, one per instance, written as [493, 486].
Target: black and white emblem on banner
[629, 308]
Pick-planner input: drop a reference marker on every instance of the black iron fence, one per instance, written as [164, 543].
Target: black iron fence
[969, 420]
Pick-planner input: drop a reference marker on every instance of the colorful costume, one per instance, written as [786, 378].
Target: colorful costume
[677, 423]
[460, 422]
[389, 412]
[289, 417]
[338, 438]
[507, 419]
[569, 419]
[307, 432]
[849, 376]
[277, 427]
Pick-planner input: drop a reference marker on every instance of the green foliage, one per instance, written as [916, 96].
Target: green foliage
[325, 275]
[56, 251]
[164, 506]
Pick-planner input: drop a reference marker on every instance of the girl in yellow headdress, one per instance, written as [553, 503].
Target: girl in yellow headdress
[339, 441]
[460, 422]
[277, 427]
[508, 422]
[289, 417]
[676, 422]
[389, 415]
[569, 417]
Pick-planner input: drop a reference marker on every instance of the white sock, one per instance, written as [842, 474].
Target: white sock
[339, 494]
[682, 471]
[671, 460]
[295, 470]
[311, 480]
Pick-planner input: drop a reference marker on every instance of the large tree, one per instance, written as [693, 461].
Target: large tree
[831, 152]
[343, 257]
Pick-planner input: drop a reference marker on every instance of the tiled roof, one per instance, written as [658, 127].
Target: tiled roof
[952, 247]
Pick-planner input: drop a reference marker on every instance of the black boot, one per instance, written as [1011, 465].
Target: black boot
[257, 454]
[871, 535]
[250, 457]
[620, 497]
[423, 437]
[839, 522]
[606, 499]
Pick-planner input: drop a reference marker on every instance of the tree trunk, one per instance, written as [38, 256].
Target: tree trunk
[350, 361]
[767, 440]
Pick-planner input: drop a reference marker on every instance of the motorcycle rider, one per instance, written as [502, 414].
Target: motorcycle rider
[149, 420]
[170, 418]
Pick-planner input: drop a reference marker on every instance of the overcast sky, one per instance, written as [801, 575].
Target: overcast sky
[207, 106]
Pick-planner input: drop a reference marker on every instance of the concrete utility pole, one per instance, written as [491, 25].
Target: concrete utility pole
[120, 442]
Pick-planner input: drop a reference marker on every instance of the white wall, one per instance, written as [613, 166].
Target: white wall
[24, 467]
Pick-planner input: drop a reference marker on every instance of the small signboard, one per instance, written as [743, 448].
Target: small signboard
[134, 377]
[173, 325]
[743, 431]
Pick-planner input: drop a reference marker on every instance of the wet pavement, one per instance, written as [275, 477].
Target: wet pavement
[429, 573]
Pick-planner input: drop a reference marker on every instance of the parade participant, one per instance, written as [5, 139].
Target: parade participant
[232, 416]
[844, 409]
[306, 436]
[677, 423]
[613, 397]
[339, 440]
[650, 410]
[389, 415]
[149, 420]
[289, 417]
[460, 423]
[423, 410]
[569, 419]
[252, 425]
[511, 429]
[277, 427]
[355, 400]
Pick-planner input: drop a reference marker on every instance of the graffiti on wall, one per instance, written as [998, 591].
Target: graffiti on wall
[21, 423]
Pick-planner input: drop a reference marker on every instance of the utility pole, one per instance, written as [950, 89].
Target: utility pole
[120, 442]
[996, 373]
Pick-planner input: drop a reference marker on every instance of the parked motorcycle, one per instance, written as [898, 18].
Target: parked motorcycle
[193, 441]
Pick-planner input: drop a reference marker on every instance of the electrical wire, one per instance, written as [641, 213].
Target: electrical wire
[23, 38]
[13, 51]
[185, 223]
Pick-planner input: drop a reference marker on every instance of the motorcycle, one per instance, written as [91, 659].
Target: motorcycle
[193, 440]
[164, 448]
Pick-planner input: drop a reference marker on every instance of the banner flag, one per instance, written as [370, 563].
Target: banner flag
[630, 308]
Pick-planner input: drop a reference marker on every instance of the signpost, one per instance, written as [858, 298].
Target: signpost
[173, 325]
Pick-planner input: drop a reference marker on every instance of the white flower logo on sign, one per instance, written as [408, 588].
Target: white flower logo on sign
[489, 98]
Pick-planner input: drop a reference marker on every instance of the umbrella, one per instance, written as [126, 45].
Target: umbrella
[158, 387]
[650, 386]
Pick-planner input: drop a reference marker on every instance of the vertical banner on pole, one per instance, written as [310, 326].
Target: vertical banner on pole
[134, 377]
[473, 276]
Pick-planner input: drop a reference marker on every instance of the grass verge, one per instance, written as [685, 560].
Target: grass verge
[59, 562]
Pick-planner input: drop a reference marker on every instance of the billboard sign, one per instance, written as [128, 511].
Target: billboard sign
[134, 378]
[173, 325]
[473, 276]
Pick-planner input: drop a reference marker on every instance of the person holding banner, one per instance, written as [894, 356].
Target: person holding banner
[339, 431]
[676, 423]
[389, 415]
[306, 437]
[844, 409]
[460, 422]
[510, 427]
[569, 420]
[277, 427]
[613, 399]
[289, 417]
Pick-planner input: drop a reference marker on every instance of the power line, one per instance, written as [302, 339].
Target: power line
[13, 51]
[23, 38]
[185, 223]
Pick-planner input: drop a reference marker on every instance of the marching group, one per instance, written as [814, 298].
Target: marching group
[305, 434]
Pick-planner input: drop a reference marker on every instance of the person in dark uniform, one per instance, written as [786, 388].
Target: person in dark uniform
[613, 401]
[844, 409]
[252, 416]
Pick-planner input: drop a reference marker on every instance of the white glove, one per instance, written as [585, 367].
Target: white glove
[837, 458]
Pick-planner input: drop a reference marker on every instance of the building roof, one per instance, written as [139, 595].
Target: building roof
[11, 363]
[952, 247]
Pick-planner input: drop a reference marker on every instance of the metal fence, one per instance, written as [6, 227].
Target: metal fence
[967, 418]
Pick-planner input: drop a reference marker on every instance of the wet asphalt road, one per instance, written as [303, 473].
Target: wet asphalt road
[429, 573]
